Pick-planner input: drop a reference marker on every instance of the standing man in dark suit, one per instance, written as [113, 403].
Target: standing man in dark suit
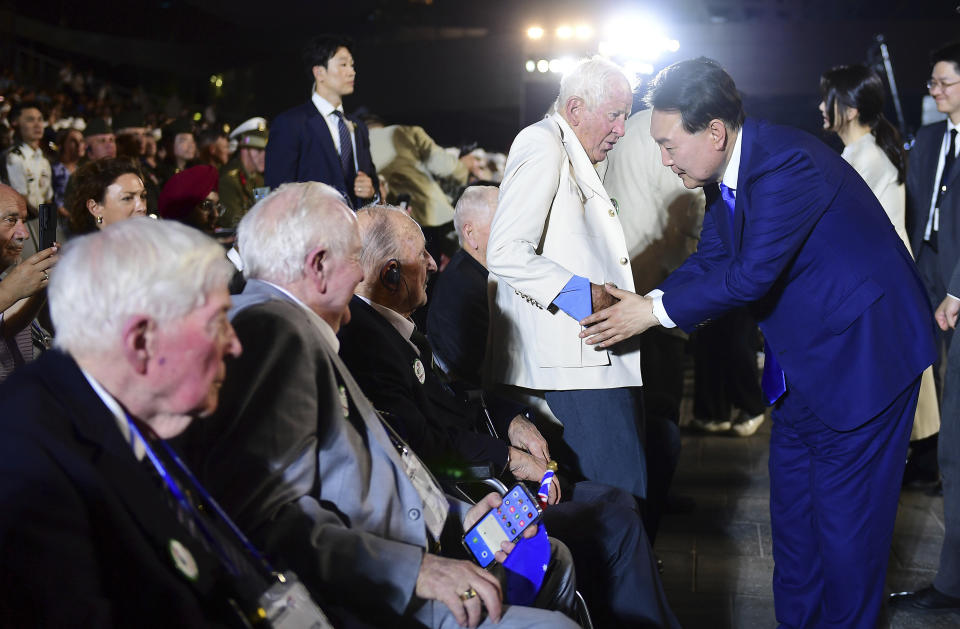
[457, 328]
[933, 205]
[793, 233]
[316, 141]
[934, 220]
[93, 531]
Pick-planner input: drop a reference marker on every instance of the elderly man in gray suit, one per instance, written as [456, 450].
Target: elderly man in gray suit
[304, 463]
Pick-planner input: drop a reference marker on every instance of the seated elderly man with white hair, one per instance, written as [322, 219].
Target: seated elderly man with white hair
[313, 472]
[101, 525]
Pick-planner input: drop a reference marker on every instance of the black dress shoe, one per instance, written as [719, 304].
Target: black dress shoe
[929, 598]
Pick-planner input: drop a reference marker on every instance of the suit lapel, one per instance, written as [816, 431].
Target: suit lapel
[113, 457]
[584, 172]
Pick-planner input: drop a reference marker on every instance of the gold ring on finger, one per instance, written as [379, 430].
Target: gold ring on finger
[468, 594]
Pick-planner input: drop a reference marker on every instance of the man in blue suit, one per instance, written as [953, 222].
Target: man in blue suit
[316, 141]
[792, 233]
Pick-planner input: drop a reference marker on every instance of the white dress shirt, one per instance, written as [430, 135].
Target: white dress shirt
[326, 110]
[933, 218]
[30, 174]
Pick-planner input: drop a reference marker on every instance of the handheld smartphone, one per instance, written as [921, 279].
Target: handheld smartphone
[517, 511]
[48, 225]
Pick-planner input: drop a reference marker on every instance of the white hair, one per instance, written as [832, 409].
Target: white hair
[589, 79]
[381, 236]
[140, 266]
[472, 207]
[276, 235]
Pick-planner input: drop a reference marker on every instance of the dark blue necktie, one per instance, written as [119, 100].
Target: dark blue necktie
[346, 149]
[773, 381]
[948, 160]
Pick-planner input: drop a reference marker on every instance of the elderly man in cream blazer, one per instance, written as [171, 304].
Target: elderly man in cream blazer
[555, 241]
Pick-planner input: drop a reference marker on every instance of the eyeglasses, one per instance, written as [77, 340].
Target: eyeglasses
[932, 83]
[213, 206]
[11, 219]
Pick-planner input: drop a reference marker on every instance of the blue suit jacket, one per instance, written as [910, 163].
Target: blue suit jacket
[301, 149]
[817, 261]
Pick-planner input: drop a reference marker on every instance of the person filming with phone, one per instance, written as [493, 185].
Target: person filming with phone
[24, 283]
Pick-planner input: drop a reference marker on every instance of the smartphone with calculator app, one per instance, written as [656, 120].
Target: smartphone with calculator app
[518, 509]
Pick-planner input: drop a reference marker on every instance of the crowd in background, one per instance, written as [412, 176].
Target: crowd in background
[339, 227]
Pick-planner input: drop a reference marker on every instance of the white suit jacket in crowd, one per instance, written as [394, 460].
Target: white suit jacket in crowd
[554, 220]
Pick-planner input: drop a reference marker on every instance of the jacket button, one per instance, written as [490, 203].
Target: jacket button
[611, 213]
[623, 260]
[413, 514]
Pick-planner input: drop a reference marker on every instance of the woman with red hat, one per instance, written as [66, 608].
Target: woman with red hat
[191, 197]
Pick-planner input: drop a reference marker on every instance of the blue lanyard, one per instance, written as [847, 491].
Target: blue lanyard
[207, 498]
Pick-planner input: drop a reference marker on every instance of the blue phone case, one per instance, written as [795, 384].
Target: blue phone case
[518, 510]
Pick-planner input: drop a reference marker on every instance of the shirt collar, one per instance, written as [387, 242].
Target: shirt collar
[567, 132]
[324, 106]
[118, 414]
[951, 126]
[732, 173]
[400, 323]
[29, 150]
[326, 332]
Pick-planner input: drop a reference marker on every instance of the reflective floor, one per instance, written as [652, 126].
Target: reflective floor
[717, 559]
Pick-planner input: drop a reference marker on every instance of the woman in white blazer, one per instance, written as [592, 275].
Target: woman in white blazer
[852, 107]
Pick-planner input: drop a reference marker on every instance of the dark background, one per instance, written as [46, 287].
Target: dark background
[456, 66]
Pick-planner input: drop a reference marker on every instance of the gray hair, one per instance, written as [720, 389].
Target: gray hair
[473, 205]
[589, 79]
[380, 236]
[139, 266]
[276, 235]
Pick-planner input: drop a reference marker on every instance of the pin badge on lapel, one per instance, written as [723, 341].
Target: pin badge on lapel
[344, 404]
[418, 370]
[616, 205]
[183, 560]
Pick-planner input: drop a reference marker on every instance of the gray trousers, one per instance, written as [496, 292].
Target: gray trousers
[948, 455]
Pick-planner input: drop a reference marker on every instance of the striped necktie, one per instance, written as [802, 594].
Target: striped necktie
[346, 149]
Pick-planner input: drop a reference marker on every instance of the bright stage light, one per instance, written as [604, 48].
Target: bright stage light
[564, 32]
[636, 37]
[562, 65]
[632, 68]
[535, 32]
[584, 31]
[543, 65]
[531, 65]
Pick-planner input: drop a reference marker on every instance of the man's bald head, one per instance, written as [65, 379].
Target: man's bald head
[472, 219]
[396, 265]
[383, 231]
[13, 231]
